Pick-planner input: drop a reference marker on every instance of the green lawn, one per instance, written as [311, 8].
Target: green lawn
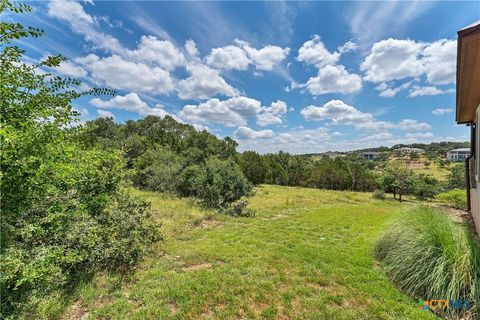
[306, 255]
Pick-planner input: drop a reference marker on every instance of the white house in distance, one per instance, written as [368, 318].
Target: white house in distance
[408, 150]
[468, 110]
[371, 155]
[458, 154]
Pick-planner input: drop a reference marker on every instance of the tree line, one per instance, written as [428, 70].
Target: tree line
[167, 156]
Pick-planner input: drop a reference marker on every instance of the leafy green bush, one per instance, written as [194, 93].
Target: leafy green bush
[158, 170]
[429, 256]
[217, 183]
[79, 218]
[65, 210]
[379, 194]
[456, 198]
[239, 209]
[425, 186]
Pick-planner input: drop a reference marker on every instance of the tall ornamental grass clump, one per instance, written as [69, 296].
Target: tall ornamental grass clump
[429, 256]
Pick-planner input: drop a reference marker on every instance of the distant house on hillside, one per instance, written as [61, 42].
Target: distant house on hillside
[371, 155]
[458, 154]
[330, 154]
[468, 110]
[408, 150]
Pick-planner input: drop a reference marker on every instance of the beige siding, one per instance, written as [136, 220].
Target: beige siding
[475, 198]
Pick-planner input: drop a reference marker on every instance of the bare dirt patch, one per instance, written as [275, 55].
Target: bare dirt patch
[198, 266]
[209, 223]
[172, 307]
[416, 165]
[456, 214]
[76, 312]
[259, 307]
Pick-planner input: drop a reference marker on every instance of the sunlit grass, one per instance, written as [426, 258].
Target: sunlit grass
[306, 255]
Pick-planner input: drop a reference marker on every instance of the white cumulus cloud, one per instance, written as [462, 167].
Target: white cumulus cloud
[273, 114]
[230, 113]
[161, 53]
[333, 79]
[229, 58]
[337, 111]
[340, 113]
[118, 73]
[315, 53]
[129, 102]
[396, 59]
[265, 58]
[393, 59]
[203, 83]
[248, 133]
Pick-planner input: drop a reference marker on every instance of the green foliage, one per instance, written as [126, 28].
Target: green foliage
[239, 209]
[169, 156]
[379, 194]
[65, 210]
[217, 183]
[254, 167]
[158, 169]
[425, 186]
[428, 256]
[456, 198]
[342, 173]
[456, 177]
[398, 180]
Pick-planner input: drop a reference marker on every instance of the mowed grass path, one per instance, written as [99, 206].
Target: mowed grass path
[306, 255]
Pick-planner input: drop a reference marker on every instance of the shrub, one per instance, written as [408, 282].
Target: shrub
[379, 194]
[217, 183]
[425, 187]
[456, 198]
[65, 210]
[158, 170]
[239, 209]
[78, 217]
[429, 256]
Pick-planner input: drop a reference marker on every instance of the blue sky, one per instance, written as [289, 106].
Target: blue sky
[299, 77]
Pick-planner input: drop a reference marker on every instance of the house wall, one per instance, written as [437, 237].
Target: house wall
[475, 198]
[475, 192]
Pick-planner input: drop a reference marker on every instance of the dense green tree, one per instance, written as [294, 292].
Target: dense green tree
[456, 177]
[158, 169]
[254, 167]
[64, 209]
[425, 187]
[217, 183]
[398, 180]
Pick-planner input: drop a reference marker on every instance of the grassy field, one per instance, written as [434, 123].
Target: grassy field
[306, 255]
